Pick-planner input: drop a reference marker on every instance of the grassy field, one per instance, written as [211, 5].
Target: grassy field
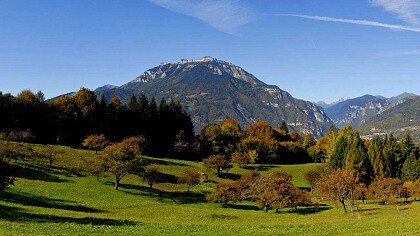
[62, 201]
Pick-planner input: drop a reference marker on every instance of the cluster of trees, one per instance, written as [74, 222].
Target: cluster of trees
[274, 190]
[123, 158]
[258, 143]
[369, 159]
[341, 186]
[67, 120]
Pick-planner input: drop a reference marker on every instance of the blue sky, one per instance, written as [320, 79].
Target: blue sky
[316, 50]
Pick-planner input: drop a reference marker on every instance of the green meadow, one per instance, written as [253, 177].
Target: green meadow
[63, 200]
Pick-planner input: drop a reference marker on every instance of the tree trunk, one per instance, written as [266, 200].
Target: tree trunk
[188, 188]
[344, 206]
[218, 171]
[51, 162]
[150, 185]
[265, 208]
[97, 177]
[117, 182]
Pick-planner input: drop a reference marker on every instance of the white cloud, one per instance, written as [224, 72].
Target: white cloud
[356, 22]
[407, 10]
[224, 15]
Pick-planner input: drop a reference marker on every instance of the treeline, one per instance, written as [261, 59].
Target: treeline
[68, 120]
[369, 159]
[258, 143]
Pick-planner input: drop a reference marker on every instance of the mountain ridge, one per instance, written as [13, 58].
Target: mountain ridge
[212, 90]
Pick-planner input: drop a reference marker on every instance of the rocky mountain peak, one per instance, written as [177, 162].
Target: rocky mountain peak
[217, 67]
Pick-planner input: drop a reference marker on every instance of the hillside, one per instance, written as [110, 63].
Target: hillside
[356, 111]
[212, 90]
[62, 200]
[398, 119]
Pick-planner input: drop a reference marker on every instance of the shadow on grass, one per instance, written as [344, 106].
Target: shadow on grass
[165, 162]
[16, 214]
[32, 173]
[177, 197]
[260, 167]
[243, 207]
[68, 172]
[309, 210]
[230, 176]
[38, 201]
[166, 178]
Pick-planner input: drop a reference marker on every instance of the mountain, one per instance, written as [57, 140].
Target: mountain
[106, 87]
[212, 90]
[398, 120]
[357, 110]
[326, 105]
[401, 98]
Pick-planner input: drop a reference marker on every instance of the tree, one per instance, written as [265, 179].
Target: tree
[274, 189]
[361, 192]
[216, 162]
[123, 158]
[415, 193]
[382, 167]
[297, 197]
[224, 193]
[95, 142]
[241, 159]
[357, 161]
[339, 154]
[190, 177]
[49, 153]
[337, 186]
[248, 183]
[313, 176]
[151, 174]
[385, 190]
[411, 167]
[308, 141]
[95, 166]
[283, 126]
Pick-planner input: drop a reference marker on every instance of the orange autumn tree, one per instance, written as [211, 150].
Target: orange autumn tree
[95, 142]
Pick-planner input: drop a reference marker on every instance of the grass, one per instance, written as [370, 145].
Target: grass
[61, 201]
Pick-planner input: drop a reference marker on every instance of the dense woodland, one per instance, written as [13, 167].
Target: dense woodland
[68, 120]
[383, 167]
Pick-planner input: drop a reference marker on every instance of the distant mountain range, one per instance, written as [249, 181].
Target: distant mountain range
[212, 90]
[360, 110]
[402, 117]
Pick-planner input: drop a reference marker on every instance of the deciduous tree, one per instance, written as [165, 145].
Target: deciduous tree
[386, 190]
[337, 186]
[151, 174]
[216, 162]
[123, 158]
[95, 142]
[190, 177]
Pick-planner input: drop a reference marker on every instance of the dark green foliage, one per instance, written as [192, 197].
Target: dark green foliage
[411, 168]
[339, 154]
[69, 119]
[283, 126]
[358, 162]
[382, 166]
